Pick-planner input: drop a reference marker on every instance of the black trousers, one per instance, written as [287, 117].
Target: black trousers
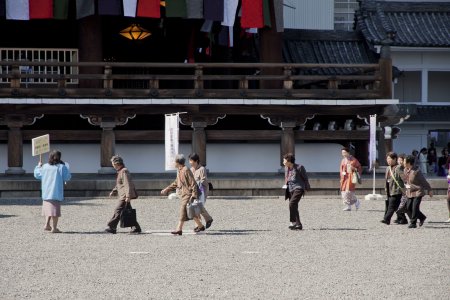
[413, 209]
[117, 212]
[294, 199]
[393, 203]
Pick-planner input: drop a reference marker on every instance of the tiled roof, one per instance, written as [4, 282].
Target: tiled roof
[413, 24]
[326, 46]
[431, 113]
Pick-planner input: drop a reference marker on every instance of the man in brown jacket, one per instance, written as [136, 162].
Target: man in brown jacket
[416, 185]
[125, 191]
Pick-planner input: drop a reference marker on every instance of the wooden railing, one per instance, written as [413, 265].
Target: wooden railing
[209, 80]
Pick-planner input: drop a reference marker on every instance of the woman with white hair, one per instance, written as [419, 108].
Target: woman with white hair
[187, 191]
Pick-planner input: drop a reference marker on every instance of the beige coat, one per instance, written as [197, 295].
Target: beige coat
[124, 186]
[187, 189]
[200, 178]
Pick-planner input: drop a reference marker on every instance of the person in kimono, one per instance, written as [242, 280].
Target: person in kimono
[349, 165]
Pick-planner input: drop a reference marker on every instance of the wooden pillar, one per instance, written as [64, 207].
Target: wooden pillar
[199, 140]
[199, 123]
[108, 139]
[90, 48]
[287, 124]
[15, 150]
[287, 144]
[386, 66]
[15, 140]
[107, 147]
[381, 148]
[271, 43]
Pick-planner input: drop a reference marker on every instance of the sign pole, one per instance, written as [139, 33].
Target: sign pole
[373, 157]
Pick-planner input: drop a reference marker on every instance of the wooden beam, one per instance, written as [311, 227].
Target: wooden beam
[138, 136]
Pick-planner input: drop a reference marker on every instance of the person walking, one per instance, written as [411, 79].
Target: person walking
[394, 187]
[432, 159]
[297, 183]
[199, 173]
[187, 192]
[423, 160]
[443, 163]
[401, 211]
[52, 175]
[349, 165]
[416, 185]
[125, 191]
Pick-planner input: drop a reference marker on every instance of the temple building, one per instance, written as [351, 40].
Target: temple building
[250, 82]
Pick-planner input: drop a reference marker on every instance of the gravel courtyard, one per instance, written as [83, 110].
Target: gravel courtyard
[248, 253]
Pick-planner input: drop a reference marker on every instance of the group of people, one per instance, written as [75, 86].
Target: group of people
[190, 186]
[429, 162]
[405, 187]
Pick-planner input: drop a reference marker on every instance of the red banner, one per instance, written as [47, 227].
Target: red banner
[149, 9]
[252, 14]
[41, 9]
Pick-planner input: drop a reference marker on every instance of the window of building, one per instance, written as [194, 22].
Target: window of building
[409, 87]
[344, 11]
[438, 86]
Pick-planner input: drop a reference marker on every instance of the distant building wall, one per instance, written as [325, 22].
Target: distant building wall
[223, 158]
[309, 14]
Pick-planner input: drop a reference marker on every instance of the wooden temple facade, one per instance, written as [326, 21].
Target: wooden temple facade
[289, 96]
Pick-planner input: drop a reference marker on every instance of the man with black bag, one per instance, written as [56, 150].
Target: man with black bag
[125, 191]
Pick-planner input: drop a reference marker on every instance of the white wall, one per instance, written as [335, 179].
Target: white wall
[309, 14]
[223, 158]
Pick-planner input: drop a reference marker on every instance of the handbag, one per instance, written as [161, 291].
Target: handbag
[356, 179]
[201, 193]
[128, 217]
[192, 209]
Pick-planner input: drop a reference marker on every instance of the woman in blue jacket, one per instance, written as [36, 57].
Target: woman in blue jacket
[53, 175]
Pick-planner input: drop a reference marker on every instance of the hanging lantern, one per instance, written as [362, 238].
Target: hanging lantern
[135, 32]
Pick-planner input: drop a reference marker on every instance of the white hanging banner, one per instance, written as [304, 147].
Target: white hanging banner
[171, 140]
[373, 141]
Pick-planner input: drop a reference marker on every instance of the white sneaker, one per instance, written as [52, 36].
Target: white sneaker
[347, 208]
[448, 221]
[357, 204]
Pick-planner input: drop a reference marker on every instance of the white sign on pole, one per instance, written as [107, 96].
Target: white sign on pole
[373, 141]
[40, 145]
[373, 156]
[171, 140]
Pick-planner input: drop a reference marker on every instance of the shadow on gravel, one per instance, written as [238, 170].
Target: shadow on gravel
[339, 229]
[375, 210]
[7, 216]
[38, 202]
[103, 233]
[437, 227]
[235, 232]
[85, 232]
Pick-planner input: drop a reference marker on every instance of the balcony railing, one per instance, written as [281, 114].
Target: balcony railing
[199, 80]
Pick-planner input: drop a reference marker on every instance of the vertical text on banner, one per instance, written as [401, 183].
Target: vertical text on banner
[171, 140]
[373, 141]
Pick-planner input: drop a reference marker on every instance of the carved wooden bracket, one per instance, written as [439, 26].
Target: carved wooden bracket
[207, 120]
[18, 121]
[287, 121]
[108, 120]
[391, 115]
